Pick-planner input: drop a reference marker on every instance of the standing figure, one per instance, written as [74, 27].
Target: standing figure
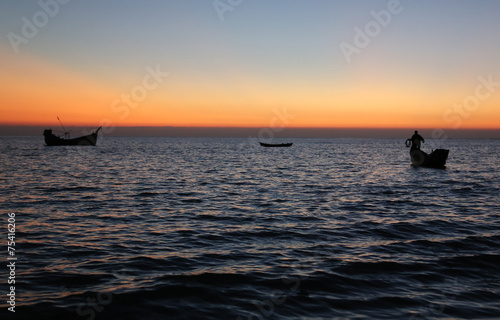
[415, 141]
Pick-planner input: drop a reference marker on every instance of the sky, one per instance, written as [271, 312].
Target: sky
[263, 63]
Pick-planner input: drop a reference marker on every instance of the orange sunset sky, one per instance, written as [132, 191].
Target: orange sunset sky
[190, 63]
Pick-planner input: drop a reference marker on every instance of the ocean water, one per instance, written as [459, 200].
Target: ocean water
[185, 228]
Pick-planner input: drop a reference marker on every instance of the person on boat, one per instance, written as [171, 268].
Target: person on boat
[415, 141]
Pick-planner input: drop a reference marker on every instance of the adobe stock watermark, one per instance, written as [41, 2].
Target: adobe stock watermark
[373, 28]
[456, 114]
[93, 305]
[483, 91]
[436, 308]
[11, 259]
[122, 108]
[96, 302]
[281, 119]
[150, 82]
[277, 124]
[266, 308]
[223, 6]
[30, 28]
[123, 105]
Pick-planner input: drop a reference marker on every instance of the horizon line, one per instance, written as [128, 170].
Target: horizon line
[261, 132]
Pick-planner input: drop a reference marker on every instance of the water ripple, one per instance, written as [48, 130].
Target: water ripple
[150, 228]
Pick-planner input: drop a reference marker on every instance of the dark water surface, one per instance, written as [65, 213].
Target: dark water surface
[164, 228]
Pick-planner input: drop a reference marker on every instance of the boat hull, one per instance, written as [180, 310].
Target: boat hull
[53, 140]
[272, 145]
[436, 159]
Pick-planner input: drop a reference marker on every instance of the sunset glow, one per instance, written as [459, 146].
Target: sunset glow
[167, 63]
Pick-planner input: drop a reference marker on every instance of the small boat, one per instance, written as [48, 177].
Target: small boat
[436, 159]
[268, 145]
[53, 140]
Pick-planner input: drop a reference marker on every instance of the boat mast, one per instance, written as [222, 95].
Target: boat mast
[66, 133]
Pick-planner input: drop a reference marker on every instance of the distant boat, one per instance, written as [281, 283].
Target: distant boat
[436, 159]
[275, 144]
[53, 140]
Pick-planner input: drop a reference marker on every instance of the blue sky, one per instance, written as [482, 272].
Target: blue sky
[265, 35]
[432, 51]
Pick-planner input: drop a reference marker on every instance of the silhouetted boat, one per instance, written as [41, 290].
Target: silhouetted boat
[275, 144]
[53, 140]
[436, 159]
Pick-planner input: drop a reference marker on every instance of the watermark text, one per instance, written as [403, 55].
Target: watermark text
[30, 28]
[11, 261]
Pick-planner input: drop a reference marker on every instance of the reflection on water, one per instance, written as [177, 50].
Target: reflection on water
[203, 228]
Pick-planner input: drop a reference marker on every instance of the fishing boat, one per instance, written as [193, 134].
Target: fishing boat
[436, 159]
[268, 145]
[53, 140]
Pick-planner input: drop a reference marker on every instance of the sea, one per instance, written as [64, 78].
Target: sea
[221, 228]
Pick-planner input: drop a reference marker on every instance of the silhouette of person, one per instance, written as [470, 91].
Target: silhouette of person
[415, 141]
